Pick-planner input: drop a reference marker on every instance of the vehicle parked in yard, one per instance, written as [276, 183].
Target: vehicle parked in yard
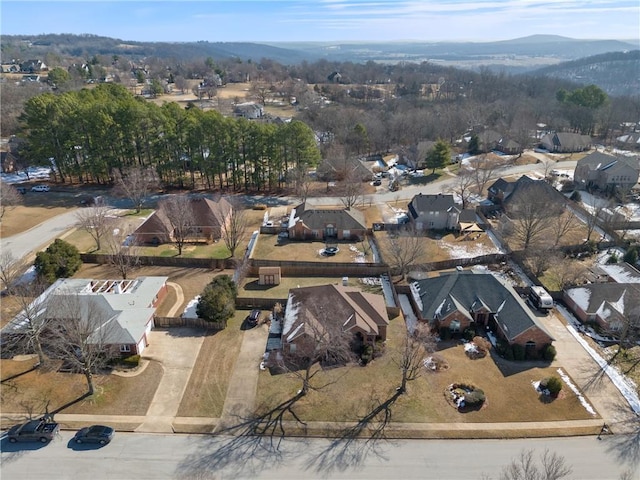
[40, 188]
[33, 431]
[253, 318]
[94, 434]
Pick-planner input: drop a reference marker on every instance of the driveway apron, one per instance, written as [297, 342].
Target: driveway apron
[176, 349]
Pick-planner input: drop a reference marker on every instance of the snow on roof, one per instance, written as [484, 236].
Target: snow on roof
[580, 296]
[415, 293]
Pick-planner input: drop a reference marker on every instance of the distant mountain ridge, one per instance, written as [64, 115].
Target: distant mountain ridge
[555, 48]
[617, 73]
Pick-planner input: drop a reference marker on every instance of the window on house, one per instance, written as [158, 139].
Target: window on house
[125, 348]
[454, 326]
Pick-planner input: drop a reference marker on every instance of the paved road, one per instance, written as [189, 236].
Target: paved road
[156, 457]
[24, 244]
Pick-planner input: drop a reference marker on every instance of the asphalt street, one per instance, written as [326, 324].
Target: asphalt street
[208, 457]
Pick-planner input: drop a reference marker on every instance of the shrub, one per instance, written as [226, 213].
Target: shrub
[474, 398]
[553, 384]
[131, 361]
[518, 352]
[259, 206]
[59, 260]
[549, 353]
[367, 354]
[631, 257]
[469, 333]
[445, 333]
[576, 197]
[482, 343]
[613, 258]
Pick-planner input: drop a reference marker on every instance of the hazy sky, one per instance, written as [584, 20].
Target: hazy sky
[325, 20]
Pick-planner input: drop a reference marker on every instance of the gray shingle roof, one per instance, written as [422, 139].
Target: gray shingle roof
[317, 217]
[467, 291]
[439, 202]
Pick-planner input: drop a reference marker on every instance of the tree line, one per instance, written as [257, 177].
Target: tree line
[93, 135]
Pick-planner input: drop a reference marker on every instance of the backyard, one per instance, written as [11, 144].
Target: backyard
[267, 247]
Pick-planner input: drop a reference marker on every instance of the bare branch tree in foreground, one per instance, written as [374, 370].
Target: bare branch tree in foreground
[416, 346]
[403, 249]
[234, 231]
[9, 198]
[96, 221]
[123, 251]
[80, 333]
[136, 184]
[179, 211]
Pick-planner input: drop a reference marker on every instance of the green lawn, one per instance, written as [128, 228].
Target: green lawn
[250, 287]
[307, 251]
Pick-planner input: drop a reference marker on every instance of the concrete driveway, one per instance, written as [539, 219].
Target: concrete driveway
[176, 349]
[583, 369]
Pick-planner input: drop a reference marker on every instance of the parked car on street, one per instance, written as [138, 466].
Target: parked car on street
[33, 431]
[94, 434]
[40, 188]
[21, 190]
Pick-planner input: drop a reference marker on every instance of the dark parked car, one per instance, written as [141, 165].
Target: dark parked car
[21, 190]
[94, 434]
[253, 318]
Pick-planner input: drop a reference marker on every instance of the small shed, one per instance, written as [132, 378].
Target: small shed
[269, 276]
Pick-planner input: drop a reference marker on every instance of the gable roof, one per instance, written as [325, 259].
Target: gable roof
[308, 306]
[512, 191]
[439, 202]
[316, 217]
[118, 309]
[602, 161]
[206, 213]
[466, 292]
[607, 300]
[567, 140]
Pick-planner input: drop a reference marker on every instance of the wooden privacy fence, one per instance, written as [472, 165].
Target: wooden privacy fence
[324, 269]
[212, 263]
[173, 322]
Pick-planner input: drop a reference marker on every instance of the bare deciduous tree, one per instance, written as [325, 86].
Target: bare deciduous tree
[415, 347]
[403, 249]
[79, 332]
[9, 198]
[566, 272]
[179, 211]
[563, 224]
[234, 231]
[136, 184]
[484, 171]
[123, 251]
[326, 343]
[530, 214]
[24, 334]
[462, 185]
[10, 270]
[352, 189]
[96, 221]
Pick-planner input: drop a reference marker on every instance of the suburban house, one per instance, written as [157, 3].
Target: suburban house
[564, 142]
[33, 66]
[309, 309]
[507, 193]
[351, 169]
[606, 172]
[315, 222]
[628, 141]
[462, 299]
[607, 304]
[433, 212]
[120, 311]
[210, 218]
[249, 110]
[489, 140]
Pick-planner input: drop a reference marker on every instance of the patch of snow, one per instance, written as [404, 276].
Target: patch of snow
[626, 387]
[35, 173]
[467, 249]
[574, 389]
[190, 309]
[415, 292]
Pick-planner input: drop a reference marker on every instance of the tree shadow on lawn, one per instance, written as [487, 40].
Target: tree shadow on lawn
[354, 445]
[185, 332]
[246, 447]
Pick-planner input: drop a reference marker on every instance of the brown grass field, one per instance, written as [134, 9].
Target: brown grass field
[353, 391]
